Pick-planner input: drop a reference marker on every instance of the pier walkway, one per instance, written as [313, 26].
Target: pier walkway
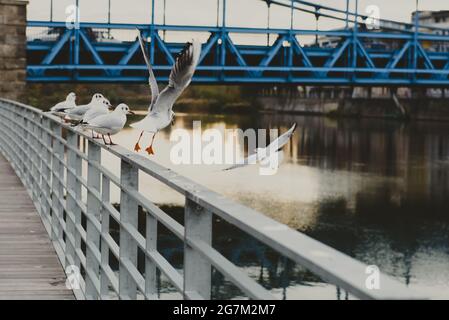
[29, 266]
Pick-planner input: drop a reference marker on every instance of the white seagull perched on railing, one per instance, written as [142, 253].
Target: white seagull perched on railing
[160, 113]
[61, 108]
[110, 123]
[77, 113]
[97, 110]
[270, 156]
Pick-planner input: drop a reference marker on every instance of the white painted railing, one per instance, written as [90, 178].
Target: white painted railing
[46, 155]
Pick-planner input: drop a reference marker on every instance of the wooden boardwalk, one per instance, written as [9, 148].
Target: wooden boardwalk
[29, 266]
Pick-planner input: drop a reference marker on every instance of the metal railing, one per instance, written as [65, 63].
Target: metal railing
[48, 156]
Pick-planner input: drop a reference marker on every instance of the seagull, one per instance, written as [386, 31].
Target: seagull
[110, 123]
[160, 113]
[97, 110]
[78, 112]
[269, 155]
[60, 108]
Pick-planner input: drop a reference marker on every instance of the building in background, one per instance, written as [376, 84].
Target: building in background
[434, 19]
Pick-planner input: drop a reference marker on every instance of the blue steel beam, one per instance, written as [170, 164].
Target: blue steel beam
[57, 47]
[255, 63]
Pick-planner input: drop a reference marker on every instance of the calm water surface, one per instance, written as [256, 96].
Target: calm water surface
[375, 189]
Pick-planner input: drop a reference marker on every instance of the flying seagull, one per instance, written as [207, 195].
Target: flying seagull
[273, 152]
[61, 108]
[77, 113]
[160, 113]
[110, 123]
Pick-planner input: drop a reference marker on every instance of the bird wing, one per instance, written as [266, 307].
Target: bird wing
[185, 65]
[79, 110]
[109, 121]
[252, 159]
[281, 141]
[180, 76]
[151, 78]
[94, 112]
[60, 106]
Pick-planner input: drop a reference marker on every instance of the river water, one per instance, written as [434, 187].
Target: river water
[375, 189]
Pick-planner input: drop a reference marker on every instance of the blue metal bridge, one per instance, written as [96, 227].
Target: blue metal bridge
[390, 54]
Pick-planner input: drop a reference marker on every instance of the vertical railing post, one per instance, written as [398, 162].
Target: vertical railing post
[34, 157]
[26, 138]
[197, 270]
[57, 188]
[105, 195]
[129, 178]
[41, 149]
[150, 266]
[74, 163]
[24, 147]
[46, 173]
[93, 210]
[11, 124]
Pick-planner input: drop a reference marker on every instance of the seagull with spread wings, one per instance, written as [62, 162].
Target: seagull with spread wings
[160, 113]
[265, 156]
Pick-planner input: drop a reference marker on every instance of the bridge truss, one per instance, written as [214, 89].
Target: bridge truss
[394, 54]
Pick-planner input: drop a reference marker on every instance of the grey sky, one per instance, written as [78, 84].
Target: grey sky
[245, 13]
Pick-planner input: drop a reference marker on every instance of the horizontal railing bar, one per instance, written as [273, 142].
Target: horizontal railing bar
[283, 69]
[229, 270]
[94, 279]
[171, 224]
[164, 266]
[112, 278]
[241, 30]
[113, 246]
[134, 273]
[49, 132]
[81, 280]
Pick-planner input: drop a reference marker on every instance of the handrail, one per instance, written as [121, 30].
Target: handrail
[46, 155]
[231, 29]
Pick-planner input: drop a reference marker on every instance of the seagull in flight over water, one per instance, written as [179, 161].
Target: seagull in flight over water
[160, 113]
[266, 156]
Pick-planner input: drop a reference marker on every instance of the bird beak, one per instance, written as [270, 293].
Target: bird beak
[110, 107]
[131, 112]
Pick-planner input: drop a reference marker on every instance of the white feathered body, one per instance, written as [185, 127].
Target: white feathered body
[98, 102]
[95, 111]
[160, 113]
[110, 123]
[78, 112]
[61, 108]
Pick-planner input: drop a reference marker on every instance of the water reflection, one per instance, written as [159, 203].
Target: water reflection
[374, 189]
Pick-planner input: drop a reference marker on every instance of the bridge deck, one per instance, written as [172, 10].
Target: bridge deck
[29, 267]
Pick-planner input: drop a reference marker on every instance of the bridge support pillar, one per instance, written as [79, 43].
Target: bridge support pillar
[12, 48]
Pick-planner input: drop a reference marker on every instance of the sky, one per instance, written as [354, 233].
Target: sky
[243, 13]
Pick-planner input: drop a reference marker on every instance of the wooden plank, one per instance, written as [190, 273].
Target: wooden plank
[29, 266]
